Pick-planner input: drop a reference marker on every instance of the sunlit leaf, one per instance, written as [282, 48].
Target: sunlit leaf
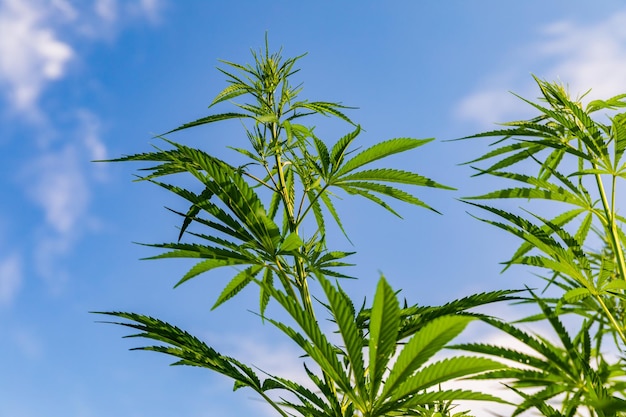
[383, 329]
[380, 150]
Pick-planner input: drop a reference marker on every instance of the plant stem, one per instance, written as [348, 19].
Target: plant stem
[288, 202]
[614, 322]
[618, 247]
[612, 225]
[272, 403]
[310, 206]
[260, 181]
[611, 228]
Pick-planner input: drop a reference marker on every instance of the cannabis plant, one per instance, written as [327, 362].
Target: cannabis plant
[268, 217]
[568, 156]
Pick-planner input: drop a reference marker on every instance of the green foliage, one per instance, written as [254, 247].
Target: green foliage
[268, 217]
[299, 170]
[572, 371]
[578, 164]
[358, 378]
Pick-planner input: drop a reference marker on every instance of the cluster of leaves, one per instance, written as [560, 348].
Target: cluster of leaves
[579, 165]
[358, 378]
[287, 159]
[254, 217]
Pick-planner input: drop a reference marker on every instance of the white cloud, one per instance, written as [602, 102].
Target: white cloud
[89, 132]
[588, 57]
[10, 278]
[59, 187]
[31, 53]
[280, 360]
[59, 182]
[483, 333]
[580, 56]
[488, 107]
[277, 359]
[112, 10]
[270, 356]
[106, 18]
[38, 41]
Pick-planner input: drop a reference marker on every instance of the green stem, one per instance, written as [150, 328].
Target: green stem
[284, 192]
[616, 325]
[272, 403]
[612, 225]
[284, 278]
[618, 248]
[300, 215]
[271, 176]
[306, 295]
[301, 281]
[260, 181]
[310, 206]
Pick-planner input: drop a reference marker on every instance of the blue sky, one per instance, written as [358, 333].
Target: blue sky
[84, 80]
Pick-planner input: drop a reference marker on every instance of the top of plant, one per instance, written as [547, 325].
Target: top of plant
[253, 215]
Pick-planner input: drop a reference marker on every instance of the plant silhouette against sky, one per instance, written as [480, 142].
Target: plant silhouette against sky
[267, 219]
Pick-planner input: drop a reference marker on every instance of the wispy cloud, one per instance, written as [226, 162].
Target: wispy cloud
[40, 42]
[89, 130]
[56, 183]
[276, 358]
[269, 356]
[588, 56]
[106, 18]
[38, 37]
[281, 360]
[31, 53]
[10, 278]
[581, 56]
[59, 182]
[58, 179]
[111, 10]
